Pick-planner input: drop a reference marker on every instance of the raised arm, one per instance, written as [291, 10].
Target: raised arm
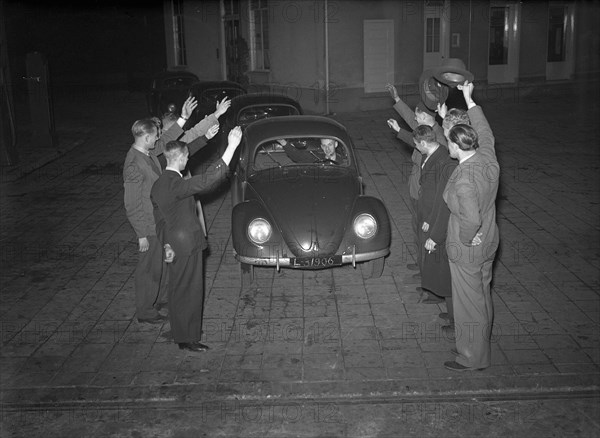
[479, 122]
[215, 174]
[176, 130]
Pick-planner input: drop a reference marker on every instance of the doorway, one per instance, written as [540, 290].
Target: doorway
[504, 32]
[436, 32]
[559, 61]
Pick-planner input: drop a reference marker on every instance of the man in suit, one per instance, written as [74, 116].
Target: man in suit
[433, 213]
[140, 171]
[422, 115]
[173, 198]
[472, 235]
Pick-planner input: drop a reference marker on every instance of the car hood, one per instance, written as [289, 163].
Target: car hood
[309, 204]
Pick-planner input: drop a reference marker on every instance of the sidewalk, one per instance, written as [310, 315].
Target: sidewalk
[68, 254]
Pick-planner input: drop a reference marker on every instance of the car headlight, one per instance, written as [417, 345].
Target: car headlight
[259, 231]
[365, 226]
[172, 108]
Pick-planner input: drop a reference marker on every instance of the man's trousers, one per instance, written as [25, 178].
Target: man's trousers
[473, 312]
[147, 279]
[186, 297]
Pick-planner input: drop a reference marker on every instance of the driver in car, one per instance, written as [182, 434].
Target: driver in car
[328, 146]
[326, 154]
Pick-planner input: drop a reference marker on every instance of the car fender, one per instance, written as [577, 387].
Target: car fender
[241, 216]
[376, 208]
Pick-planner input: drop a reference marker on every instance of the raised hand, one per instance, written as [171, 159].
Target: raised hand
[394, 125]
[222, 107]
[467, 89]
[235, 137]
[393, 92]
[442, 110]
[212, 131]
[188, 107]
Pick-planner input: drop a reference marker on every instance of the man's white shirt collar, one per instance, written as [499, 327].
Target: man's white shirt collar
[174, 170]
[466, 158]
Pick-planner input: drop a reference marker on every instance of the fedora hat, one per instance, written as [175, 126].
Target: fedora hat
[452, 72]
[431, 90]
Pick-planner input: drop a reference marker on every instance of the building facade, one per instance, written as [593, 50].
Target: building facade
[337, 55]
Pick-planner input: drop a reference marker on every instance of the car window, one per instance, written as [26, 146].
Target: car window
[292, 151]
[256, 112]
[211, 95]
[177, 82]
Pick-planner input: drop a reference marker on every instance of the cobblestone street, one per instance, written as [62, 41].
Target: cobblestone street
[304, 353]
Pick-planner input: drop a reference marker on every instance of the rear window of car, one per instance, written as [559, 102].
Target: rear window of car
[213, 94]
[258, 112]
[178, 82]
[292, 151]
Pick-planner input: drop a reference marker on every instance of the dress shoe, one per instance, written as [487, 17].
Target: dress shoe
[428, 297]
[193, 346]
[431, 299]
[412, 267]
[158, 319]
[455, 366]
[444, 316]
[448, 331]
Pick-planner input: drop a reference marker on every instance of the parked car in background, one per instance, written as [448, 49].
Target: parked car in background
[293, 208]
[168, 91]
[207, 93]
[244, 110]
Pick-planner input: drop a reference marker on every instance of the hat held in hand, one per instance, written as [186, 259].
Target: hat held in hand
[452, 72]
[431, 90]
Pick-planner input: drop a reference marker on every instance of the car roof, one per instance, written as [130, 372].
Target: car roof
[204, 85]
[248, 100]
[171, 73]
[261, 98]
[295, 126]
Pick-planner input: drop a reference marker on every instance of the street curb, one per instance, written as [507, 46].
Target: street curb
[464, 387]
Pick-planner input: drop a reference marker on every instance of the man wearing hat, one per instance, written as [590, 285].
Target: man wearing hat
[422, 115]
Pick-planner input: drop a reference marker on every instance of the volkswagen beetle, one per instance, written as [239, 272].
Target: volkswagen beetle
[207, 93]
[298, 200]
[168, 91]
[244, 110]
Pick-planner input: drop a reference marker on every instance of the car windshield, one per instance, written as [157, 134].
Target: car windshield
[256, 112]
[178, 82]
[305, 150]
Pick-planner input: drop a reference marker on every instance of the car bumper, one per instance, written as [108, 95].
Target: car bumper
[286, 262]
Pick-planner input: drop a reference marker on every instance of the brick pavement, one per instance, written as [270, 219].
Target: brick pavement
[68, 253]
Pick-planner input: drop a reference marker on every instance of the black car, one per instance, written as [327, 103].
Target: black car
[168, 91]
[244, 110]
[293, 208]
[207, 93]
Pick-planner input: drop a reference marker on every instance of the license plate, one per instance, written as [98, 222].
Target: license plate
[316, 262]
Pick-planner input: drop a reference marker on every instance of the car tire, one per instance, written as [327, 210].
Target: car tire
[246, 275]
[374, 268]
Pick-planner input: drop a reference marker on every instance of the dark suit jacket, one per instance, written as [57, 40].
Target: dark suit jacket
[471, 198]
[431, 207]
[408, 116]
[140, 171]
[173, 198]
